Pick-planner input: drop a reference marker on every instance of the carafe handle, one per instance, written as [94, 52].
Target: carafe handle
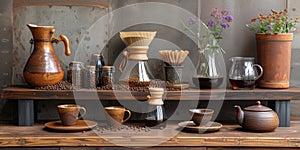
[66, 42]
[261, 70]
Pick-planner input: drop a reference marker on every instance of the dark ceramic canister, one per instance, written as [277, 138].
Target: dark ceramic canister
[173, 73]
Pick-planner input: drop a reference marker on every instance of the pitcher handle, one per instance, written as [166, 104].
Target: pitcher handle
[261, 70]
[66, 42]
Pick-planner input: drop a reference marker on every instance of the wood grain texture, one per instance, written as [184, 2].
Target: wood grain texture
[19, 92]
[228, 136]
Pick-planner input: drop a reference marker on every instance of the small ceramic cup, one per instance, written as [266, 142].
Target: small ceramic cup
[68, 113]
[201, 116]
[115, 115]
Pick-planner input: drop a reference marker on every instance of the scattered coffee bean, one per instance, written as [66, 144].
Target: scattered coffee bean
[65, 85]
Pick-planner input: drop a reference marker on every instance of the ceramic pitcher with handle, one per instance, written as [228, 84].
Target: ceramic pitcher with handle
[244, 73]
[43, 66]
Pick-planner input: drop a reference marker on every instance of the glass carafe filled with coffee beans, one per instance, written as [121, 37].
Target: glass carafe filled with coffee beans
[134, 69]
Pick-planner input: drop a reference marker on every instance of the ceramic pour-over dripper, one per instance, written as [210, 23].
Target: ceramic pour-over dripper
[156, 116]
[135, 71]
[156, 96]
[137, 43]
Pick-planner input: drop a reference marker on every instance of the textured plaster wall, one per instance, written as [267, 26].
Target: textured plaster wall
[84, 26]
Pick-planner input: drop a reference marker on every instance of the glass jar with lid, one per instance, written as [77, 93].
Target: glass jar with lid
[107, 78]
[75, 74]
[90, 77]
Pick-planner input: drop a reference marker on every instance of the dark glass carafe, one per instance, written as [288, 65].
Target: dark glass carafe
[156, 118]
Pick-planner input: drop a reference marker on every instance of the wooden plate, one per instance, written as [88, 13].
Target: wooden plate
[190, 126]
[81, 125]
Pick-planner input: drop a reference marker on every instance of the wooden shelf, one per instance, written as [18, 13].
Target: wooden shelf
[228, 136]
[278, 99]
[19, 92]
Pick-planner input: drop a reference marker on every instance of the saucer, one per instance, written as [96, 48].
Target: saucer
[80, 125]
[190, 126]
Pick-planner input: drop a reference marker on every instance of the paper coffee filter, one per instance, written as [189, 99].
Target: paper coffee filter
[174, 57]
[137, 38]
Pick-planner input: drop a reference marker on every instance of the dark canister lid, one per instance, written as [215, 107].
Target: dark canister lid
[258, 107]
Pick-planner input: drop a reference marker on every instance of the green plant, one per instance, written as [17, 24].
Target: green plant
[273, 23]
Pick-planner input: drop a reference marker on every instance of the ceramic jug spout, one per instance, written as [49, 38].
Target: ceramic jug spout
[239, 114]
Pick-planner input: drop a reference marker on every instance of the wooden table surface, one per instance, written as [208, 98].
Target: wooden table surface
[228, 136]
[19, 92]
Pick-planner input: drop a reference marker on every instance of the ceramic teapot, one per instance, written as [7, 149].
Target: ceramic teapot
[43, 66]
[257, 118]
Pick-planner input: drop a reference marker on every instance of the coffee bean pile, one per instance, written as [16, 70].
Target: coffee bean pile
[154, 83]
[133, 129]
[107, 80]
[63, 85]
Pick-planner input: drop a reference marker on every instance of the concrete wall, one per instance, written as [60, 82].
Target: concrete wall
[89, 28]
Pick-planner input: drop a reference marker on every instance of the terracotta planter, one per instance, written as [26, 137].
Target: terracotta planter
[274, 55]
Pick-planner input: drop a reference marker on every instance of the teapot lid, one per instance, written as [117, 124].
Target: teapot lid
[258, 107]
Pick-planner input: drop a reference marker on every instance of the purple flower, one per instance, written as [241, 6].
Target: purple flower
[225, 11]
[216, 14]
[215, 10]
[190, 22]
[229, 18]
[225, 25]
[219, 16]
[270, 27]
[211, 23]
[193, 20]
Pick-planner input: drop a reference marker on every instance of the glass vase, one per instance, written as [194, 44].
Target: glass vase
[210, 67]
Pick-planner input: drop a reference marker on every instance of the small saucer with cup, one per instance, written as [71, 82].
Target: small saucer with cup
[201, 121]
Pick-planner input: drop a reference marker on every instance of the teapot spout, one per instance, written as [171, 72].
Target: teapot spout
[239, 115]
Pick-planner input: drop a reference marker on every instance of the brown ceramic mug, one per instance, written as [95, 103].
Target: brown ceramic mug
[115, 115]
[201, 116]
[68, 113]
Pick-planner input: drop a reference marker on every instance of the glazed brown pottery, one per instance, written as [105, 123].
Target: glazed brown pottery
[115, 115]
[68, 113]
[274, 55]
[257, 118]
[201, 116]
[43, 66]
